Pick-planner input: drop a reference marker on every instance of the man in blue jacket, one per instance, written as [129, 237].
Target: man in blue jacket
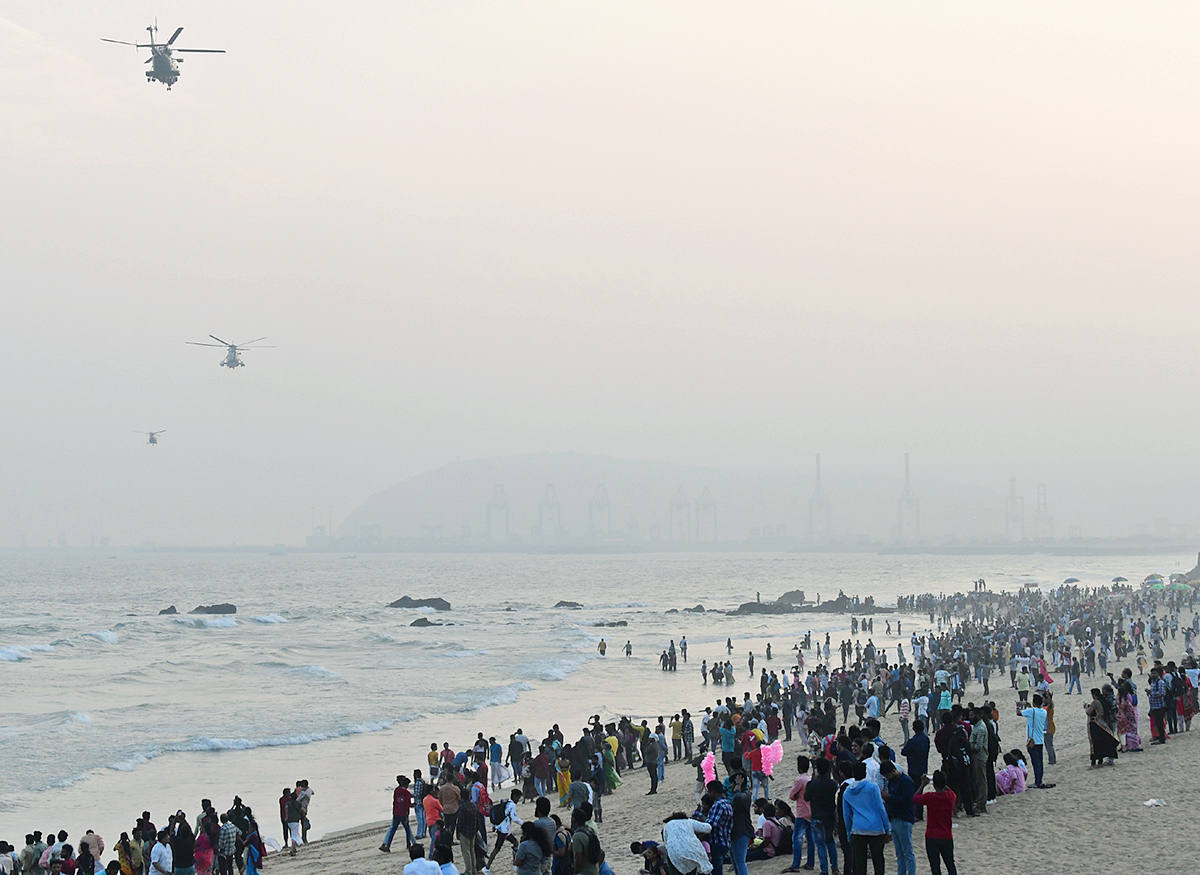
[898, 798]
[867, 822]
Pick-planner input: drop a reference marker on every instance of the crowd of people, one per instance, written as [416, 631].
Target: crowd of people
[857, 786]
[214, 843]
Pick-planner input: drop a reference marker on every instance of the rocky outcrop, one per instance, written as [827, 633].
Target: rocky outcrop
[168, 611]
[422, 622]
[568, 605]
[224, 608]
[792, 597]
[764, 608]
[435, 603]
[699, 609]
[614, 624]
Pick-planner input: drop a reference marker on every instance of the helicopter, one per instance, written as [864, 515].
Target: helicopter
[152, 435]
[232, 358]
[165, 67]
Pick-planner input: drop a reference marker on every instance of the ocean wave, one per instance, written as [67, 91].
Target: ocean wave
[556, 671]
[313, 671]
[503, 696]
[207, 622]
[18, 652]
[220, 744]
[460, 654]
[103, 635]
[269, 618]
[79, 717]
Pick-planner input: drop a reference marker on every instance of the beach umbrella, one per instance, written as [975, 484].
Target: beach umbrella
[1179, 586]
[1071, 580]
[1151, 578]
[1176, 577]
[1159, 585]
[1194, 582]
[1120, 580]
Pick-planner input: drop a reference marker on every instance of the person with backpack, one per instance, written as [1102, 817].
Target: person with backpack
[585, 845]
[505, 821]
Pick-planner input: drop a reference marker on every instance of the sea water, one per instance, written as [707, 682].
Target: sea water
[111, 708]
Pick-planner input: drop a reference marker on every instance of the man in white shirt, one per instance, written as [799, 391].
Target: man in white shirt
[162, 861]
[419, 865]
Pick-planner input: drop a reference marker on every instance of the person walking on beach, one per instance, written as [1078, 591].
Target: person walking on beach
[628, 649]
[602, 647]
[898, 799]
[402, 801]
[505, 828]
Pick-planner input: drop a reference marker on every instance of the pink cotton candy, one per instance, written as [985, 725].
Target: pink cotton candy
[709, 768]
[772, 755]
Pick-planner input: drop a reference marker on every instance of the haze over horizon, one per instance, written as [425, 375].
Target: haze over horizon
[707, 234]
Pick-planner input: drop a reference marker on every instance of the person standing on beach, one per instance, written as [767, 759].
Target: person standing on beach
[418, 788]
[450, 796]
[649, 751]
[470, 826]
[1035, 733]
[628, 649]
[304, 795]
[704, 671]
[939, 831]
[402, 801]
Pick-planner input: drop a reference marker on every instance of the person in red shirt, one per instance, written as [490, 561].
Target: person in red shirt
[401, 806]
[939, 830]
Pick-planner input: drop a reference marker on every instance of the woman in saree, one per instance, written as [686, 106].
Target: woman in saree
[254, 850]
[1127, 713]
[611, 780]
[563, 767]
[203, 854]
[129, 855]
[1103, 742]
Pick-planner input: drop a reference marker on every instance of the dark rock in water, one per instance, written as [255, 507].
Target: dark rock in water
[435, 603]
[673, 611]
[791, 597]
[225, 608]
[699, 609]
[422, 622]
[568, 605]
[614, 624]
[764, 608]
[170, 610]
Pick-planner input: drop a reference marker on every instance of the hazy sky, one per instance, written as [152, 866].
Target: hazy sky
[721, 234]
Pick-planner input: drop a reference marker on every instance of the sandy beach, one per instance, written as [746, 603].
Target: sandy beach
[1062, 830]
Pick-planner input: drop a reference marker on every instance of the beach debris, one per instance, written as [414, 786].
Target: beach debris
[169, 611]
[1155, 803]
[436, 603]
[224, 608]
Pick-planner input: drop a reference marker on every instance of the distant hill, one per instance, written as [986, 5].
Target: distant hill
[452, 502]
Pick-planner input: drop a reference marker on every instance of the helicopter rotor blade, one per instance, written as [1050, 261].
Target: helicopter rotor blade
[248, 342]
[219, 340]
[119, 42]
[209, 51]
[213, 345]
[148, 60]
[175, 35]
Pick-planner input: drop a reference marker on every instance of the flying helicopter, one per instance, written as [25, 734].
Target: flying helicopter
[233, 357]
[165, 67]
[152, 436]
